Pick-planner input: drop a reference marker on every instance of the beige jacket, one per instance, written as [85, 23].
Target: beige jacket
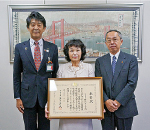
[67, 71]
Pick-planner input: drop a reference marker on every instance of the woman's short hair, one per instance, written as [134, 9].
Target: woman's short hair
[76, 43]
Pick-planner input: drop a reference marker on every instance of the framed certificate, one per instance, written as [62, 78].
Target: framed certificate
[75, 97]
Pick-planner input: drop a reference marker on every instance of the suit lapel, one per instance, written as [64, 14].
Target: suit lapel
[120, 62]
[28, 52]
[108, 67]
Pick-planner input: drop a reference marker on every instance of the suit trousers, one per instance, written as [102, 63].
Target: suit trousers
[112, 122]
[34, 118]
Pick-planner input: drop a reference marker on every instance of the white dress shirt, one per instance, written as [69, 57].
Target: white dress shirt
[32, 46]
[116, 55]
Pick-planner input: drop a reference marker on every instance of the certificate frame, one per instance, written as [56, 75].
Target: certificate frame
[80, 97]
[90, 32]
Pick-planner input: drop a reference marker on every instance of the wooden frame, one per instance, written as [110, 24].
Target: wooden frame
[82, 21]
[75, 98]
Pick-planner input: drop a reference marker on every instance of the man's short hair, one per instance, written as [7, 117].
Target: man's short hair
[37, 16]
[119, 33]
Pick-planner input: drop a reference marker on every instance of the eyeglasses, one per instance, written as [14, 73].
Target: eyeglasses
[114, 40]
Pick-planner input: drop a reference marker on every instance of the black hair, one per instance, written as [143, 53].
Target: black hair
[76, 43]
[37, 16]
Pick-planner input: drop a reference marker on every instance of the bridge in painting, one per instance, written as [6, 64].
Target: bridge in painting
[60, 29]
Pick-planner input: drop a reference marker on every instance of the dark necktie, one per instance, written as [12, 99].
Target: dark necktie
[113, 64]
[37, 56]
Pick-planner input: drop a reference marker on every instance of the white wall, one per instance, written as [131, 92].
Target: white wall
[11, 119]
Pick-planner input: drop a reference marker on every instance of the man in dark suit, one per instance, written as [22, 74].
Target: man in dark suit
[120, 74]
[35, 61]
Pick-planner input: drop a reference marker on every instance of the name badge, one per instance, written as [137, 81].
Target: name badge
[49, 65]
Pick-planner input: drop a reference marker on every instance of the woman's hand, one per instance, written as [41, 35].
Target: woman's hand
[46, 112]
[104, 112]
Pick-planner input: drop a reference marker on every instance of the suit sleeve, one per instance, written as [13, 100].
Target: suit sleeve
[55, 62]
[98, 74]
[125, 95]
[17, 70]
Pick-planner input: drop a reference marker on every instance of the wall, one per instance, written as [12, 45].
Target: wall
[11, 119]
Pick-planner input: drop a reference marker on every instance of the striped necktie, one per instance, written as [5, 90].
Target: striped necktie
[37, 55]
[113, 64]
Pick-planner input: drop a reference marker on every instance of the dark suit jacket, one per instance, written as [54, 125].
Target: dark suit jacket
[121, 86]
[28, 83]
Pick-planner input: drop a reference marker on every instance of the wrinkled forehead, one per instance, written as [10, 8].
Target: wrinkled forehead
[112, 34]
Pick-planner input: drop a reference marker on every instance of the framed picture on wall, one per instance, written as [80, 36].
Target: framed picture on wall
[82, 21]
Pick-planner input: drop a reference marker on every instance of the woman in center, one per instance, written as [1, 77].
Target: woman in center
[75, 52]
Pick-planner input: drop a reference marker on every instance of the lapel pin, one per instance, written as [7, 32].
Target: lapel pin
[46, 50]
[26, 48]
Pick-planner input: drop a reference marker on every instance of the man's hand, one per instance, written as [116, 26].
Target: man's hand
[117, 103]
[111, 105]
[19, 105]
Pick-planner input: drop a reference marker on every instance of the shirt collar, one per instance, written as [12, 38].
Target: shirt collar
[32, 42]
[116, 55]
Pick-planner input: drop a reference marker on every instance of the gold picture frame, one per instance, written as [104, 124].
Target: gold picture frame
[75, 98]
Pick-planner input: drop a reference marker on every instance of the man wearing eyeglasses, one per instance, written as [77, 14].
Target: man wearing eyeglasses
[120, 74]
